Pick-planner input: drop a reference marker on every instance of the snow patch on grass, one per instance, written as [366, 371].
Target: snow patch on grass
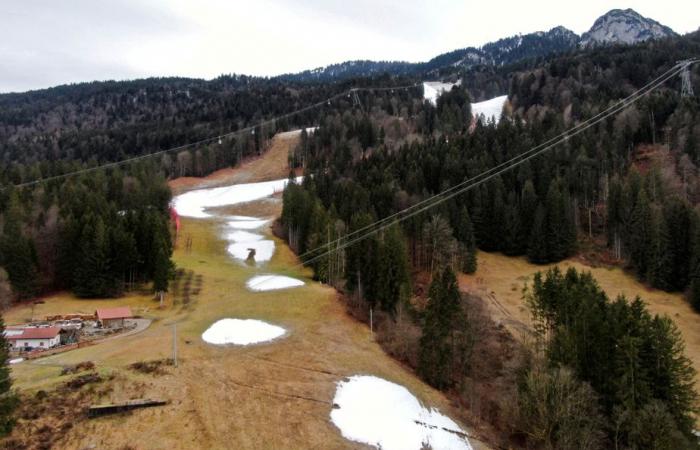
[243, 236]
[489, 109]
[194, 203]
[241, 332]
[247, 224]
[386, 415]
[272, 282]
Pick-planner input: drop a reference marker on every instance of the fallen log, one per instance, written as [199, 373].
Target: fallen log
[103, 410]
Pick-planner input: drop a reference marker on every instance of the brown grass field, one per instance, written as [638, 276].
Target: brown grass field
[274, 395]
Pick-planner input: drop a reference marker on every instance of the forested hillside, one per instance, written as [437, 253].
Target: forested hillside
[404, 152]
[594, 189]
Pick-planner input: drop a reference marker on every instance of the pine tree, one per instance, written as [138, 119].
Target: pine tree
[8, 398]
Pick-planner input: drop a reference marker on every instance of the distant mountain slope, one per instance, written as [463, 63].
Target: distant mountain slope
[615, 27]
[624, 27]
[502, 52]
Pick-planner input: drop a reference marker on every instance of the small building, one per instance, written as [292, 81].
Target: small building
[31, 338]
[113, 317]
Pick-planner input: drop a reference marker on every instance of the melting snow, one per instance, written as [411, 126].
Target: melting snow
[242, 241]
[247, 224]
[293, 133]
[16, 360]
[272, 282]
[489, 109]
[434, 89]
[241, 332]
[386, 415]
[243, 236]
[193, 203]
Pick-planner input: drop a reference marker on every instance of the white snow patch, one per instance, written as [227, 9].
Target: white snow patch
[489, 109]
[247, 224]
[434, 89]
[243, 236]
[293, 133]
[193, 203]
[241, 332]
[377, 412]
[16, 360]
[272, 282]
[242, 218]
[264, 249]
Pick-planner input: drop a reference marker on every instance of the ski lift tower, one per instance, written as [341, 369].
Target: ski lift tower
[687, 86]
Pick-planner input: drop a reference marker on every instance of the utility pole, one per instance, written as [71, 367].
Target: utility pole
[175, 344]
[687, 85]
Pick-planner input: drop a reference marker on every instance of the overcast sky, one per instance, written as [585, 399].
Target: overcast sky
[49, 42]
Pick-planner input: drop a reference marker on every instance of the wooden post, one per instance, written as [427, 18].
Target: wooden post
[175, 344]
[371, 324]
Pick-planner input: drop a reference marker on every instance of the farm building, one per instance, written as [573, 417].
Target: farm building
[113, 317]
[29, 338]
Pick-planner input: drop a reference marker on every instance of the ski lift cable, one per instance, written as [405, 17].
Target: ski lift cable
[440, 198]
[507, 165]
[218, 138]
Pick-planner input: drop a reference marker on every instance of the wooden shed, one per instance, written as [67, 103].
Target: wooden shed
[113, 317]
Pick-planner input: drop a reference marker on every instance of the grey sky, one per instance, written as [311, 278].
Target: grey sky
[48, 42]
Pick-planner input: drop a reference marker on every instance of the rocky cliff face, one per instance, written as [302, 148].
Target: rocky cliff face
[624, 27]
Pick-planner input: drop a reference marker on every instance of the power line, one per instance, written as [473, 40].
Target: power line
[565, 135]
[217, 138]
[509, 165]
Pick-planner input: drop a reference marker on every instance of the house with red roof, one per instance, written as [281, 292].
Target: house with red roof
[113, 317]
[32, 338]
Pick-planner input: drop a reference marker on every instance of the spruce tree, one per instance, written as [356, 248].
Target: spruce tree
[537, 251]
[468, 241]
[436, 351]
[163, 265]
[18, 255]
[393, 270]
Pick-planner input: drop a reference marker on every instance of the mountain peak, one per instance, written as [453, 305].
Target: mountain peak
[624, 26]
